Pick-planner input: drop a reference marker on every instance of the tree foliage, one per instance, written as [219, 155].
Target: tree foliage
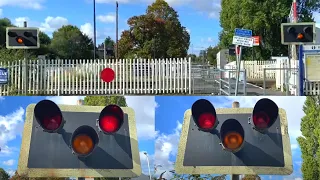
[4, 175]
[68, 42]
[158, 33]
[105, 100]
[251, 177]
[310, 139]
[16, 176]
[212, 55]
[262, 17]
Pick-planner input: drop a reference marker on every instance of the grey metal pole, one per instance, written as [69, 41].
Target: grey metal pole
[117, 22]
[264, 81]
[238, 70]
[104, 50]
[25, 24]
[94, 30]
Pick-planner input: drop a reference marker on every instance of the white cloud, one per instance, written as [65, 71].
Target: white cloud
[208, 7]
[29, 4]
[1, 12]
[51, 24]
[166, 144]
[294, 146]
[68, 100]
[19, 21]
[188, 30]
[11, 172]
[316, 16]
[11, 126]
[87, 29]
[10, 162]
[144, 108]
[109, 18]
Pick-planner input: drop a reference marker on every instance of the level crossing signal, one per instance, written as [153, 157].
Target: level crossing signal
[22, 38]
[234, 140]
[79, 141]
[298, 33]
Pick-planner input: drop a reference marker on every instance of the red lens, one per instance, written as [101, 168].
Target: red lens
[206, 121]
[109, 124]
[52, 123]
[261, 120]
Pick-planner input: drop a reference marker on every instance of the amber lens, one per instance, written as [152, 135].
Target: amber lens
[19, 40]
[232, 140]
[300, 36]
[82, 144]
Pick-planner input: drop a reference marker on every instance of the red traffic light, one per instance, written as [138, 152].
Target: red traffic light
[48, 116]
[83, 141]
[107, 75]
[265, 113]
[232, 135]
[110, 119]
[204, 115]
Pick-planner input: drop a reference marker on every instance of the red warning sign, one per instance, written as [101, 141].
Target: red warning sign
[256, 40]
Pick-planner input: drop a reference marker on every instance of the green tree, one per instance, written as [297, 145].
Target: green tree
[105, 100]
[310, 139]
[45, 42]
[110, 47]
[158, 33]
[264, 18]
[193, 57]
[212, 54]
[4, 175]
[4, 23]
[68, 42]
[251, 177]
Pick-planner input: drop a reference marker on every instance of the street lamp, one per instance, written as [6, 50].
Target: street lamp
[145, 153]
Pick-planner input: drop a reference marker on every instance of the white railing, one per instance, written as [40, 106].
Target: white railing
[82, 77]
[254, 69]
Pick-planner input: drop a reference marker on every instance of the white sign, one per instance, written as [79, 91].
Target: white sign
[312, 67]
[242, 41]
[315, 47]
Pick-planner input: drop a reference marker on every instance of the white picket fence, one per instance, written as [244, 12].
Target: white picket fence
[82, 77]
[138, 76]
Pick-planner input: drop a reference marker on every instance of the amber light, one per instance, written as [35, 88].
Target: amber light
[232, 140]
[300, 36]
[83, 144]
[19, 40]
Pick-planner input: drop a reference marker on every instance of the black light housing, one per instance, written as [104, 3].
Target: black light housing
[49, 116]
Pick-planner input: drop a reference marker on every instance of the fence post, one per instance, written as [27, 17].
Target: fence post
[189, 63]
[264, 81]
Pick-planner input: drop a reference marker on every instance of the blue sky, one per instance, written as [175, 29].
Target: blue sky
[12, 114]
[200, 17]
[169, 117]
